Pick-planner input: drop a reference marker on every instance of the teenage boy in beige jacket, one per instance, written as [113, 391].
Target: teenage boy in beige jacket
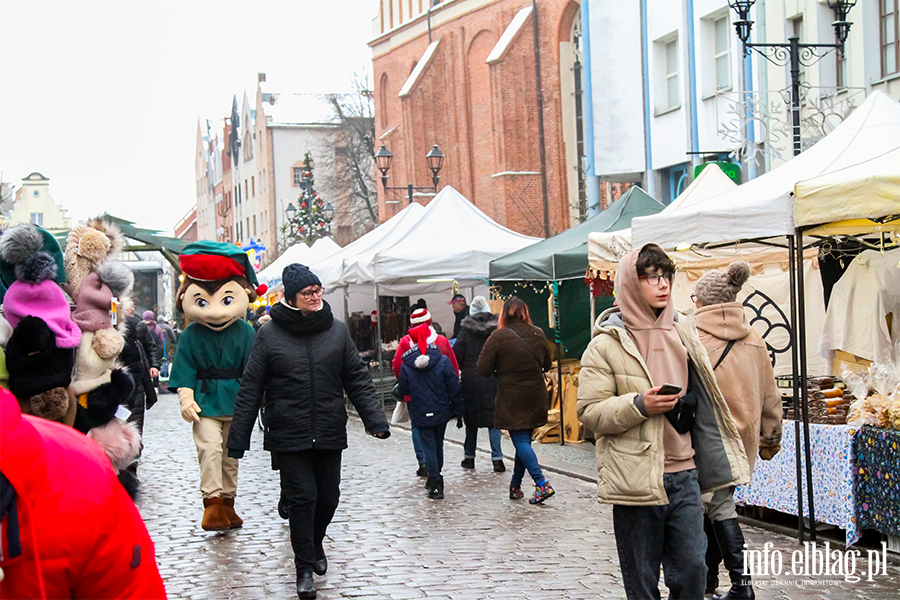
[646, 468]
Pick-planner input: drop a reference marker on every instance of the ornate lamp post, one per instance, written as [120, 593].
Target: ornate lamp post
[793, 53]
[435, 159]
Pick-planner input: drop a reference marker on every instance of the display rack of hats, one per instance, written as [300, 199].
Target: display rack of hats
[62, 364]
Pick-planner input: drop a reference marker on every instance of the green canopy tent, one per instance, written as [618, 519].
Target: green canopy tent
[564, 259]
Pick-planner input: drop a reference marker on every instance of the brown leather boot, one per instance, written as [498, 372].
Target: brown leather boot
[214, 517]
[233, 518]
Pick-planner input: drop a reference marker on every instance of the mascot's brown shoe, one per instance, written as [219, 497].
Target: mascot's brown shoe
[233, 518]
[214, 517]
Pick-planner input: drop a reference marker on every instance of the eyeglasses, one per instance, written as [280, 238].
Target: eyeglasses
[314, 293]
[656, 277]
[694, 298]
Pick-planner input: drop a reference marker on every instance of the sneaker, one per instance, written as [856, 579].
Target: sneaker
[468, 463]
[515, 492]
[422, 471]
[499, 467]
[541, 493]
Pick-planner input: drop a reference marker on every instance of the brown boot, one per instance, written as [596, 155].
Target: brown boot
[233, 518]
[214, 517]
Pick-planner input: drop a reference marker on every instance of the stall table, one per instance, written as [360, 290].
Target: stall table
[877, 454]
[774, 483]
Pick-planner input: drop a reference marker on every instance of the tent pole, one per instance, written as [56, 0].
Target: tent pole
[378, 346]
[795, 385]
[804, 386]
[559, 353]
[347, 305]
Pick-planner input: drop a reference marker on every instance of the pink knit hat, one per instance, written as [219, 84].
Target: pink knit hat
[94, 304]
[46, 301]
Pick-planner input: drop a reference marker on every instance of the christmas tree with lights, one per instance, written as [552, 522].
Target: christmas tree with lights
[312, 217]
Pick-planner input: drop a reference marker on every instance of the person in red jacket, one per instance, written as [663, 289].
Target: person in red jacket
[418, 317]
[69, 529]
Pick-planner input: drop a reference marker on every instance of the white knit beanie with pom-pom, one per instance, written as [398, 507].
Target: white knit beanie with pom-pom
[722, 285]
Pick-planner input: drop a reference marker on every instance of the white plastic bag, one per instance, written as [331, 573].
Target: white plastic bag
[401, 414]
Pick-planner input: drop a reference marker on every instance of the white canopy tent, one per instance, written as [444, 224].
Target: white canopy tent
[606, 247]
[331, 271]
[764, 207]
[453, 240]
[321, 249]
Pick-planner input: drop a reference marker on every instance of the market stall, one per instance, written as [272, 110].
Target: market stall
[859, 204]
[762, 212]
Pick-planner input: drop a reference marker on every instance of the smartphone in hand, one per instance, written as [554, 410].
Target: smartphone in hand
[668, 389]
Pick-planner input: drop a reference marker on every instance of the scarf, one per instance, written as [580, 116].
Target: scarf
[293, 321]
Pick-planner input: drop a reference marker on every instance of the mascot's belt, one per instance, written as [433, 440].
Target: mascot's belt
[205, 375]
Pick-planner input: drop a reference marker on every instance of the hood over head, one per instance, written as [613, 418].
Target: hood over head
[654, 334]
[724, 321]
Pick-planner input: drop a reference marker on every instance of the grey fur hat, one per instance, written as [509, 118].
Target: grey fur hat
[722, 285]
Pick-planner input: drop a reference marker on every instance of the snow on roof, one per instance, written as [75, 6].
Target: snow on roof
[420, 67]
[509, 35]
[294, 109]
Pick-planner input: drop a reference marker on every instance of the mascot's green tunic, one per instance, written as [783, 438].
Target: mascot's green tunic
[218, 286]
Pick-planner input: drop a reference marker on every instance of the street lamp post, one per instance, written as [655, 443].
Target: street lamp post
[435, 159]
[793, 53]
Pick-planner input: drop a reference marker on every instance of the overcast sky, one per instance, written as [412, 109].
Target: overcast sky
[103, 97]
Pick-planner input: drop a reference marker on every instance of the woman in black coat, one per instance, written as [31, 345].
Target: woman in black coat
[518, 354]
[478, 391]
[302, 362]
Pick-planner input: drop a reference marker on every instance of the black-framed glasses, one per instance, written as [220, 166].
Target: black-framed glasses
[313, 293]
[656, 277]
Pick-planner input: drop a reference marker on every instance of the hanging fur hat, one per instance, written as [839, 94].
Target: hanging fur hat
[87, 247]
[36, 364]
[35, 292]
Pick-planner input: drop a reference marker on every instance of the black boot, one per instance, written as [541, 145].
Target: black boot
[421, 471]
[306, 589]
[321, 566]
[731, 542]
[713, 557]
[436, 487]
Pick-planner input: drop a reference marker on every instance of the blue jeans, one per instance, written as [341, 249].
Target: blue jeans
[417, 446]
[671, 535]
[432, 439]
[472, 441]
[525, 458]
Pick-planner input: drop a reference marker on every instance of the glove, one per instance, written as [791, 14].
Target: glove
[459, 422]
[235, 453]
[769, 452]
[189, 408]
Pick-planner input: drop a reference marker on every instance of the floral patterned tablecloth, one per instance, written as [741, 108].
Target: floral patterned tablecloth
[774, 483]
[877, 454]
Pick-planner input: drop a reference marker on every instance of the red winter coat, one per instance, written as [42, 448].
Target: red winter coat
[81, 534]
[440, 341]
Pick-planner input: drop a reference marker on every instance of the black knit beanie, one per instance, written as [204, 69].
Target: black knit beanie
[295, 277]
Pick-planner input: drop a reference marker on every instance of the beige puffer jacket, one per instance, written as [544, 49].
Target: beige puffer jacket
[630, 455]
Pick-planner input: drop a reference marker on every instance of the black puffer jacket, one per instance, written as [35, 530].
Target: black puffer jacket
[302, 366]
[478, 391]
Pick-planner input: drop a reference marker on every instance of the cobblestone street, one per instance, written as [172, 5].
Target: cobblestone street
[389, 541]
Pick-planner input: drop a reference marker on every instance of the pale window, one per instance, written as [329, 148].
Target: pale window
[37, 219]
[253, 186]
[254, 225]
[298, 176]
[672, 91]
[723, 53]
[890, 36]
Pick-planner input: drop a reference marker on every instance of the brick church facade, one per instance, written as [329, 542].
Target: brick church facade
[473, 91]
